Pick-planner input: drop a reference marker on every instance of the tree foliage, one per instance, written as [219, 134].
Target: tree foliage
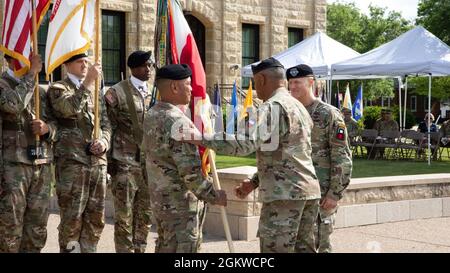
[348, 25]
[434, 15]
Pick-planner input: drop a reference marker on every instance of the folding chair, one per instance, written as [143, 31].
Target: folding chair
[387, 144]
[410, 141]
[435, 138]
[353, 140]
[366, 140]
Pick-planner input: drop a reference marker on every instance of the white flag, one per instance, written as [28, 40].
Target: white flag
[70, 31]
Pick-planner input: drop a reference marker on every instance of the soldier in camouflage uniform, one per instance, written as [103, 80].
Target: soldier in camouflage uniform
[385, 123]
[26, 179]
[177, 186]
[80, 159]
[288, 186]
[330, 150]
[350, 122]
[127, 102]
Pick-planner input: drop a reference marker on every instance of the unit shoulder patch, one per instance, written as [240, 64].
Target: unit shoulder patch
[340, 131]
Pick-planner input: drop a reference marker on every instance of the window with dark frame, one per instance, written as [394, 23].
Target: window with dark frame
[250, 48]
[295, 36]
[42, 41]
[113, 46]
[413, 104]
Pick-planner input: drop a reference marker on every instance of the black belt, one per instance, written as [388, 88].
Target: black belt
[68, 123]
[11, 126]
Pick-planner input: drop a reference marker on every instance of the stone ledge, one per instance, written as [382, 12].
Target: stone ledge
[395, 181]
[237, 173]
[254, 19]
[118, 5]
[298, 23]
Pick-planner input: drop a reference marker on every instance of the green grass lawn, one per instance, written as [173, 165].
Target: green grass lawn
[361, 167]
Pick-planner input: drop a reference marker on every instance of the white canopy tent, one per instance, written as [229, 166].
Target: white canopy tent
[417, 52]
[318, 51]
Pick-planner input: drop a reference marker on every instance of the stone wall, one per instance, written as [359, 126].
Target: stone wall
[223, 22]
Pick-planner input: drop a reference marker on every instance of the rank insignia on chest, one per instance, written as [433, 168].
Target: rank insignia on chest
[340, 133]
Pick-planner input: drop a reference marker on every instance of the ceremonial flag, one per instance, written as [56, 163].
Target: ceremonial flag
[217, 106]
[358, 106]
[17, 30]
[70, 31]
[248, 103]
[175, 44]
[347, 99]
[232, 114]
[338, 100]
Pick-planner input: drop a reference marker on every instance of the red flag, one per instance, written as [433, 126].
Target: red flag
[185, 51]
[17, 28]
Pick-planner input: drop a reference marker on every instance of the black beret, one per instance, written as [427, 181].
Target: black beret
[174, 72]
[266, 64]
[386, 110]
[76, 57]
[139, 58]
[299, 71]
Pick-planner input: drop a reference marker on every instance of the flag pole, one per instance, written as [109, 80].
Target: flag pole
[223, 212]
[97, 58]
[36, 80]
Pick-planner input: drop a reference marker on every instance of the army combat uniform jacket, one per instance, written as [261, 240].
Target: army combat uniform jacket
[330, 149]
[281, 140]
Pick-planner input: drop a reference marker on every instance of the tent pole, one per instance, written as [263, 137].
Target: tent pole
[329, 91]
[400, 102]
[406, 101]
[429, 120]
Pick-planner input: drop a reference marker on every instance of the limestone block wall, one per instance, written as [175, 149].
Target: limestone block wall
[140, 19]
[223, 21]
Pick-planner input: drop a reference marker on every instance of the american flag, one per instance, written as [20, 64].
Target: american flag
[17, 28]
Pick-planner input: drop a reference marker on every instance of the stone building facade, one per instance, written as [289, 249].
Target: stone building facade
[220, 25]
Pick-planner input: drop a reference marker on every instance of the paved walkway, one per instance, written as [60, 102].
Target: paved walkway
[428, 235]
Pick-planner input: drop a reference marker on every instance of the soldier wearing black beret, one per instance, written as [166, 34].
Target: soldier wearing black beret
[287, 184]
[127, 103]
[330, 150]
[81, 160]
[178, 187]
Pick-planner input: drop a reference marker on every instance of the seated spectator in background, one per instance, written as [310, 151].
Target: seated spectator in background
[350, 123]
[386, 123]
[423, 126]
[445, 133]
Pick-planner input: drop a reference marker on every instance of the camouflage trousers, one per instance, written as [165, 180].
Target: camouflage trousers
[287, 226]
[324, 229]
[24, 207]
[81, 191]
[180, 232]
[132, 208]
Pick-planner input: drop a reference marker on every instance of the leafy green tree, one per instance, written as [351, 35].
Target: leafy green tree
[346, 24]
[434, 15]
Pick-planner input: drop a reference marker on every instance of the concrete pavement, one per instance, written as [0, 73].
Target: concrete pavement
[426, 235]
